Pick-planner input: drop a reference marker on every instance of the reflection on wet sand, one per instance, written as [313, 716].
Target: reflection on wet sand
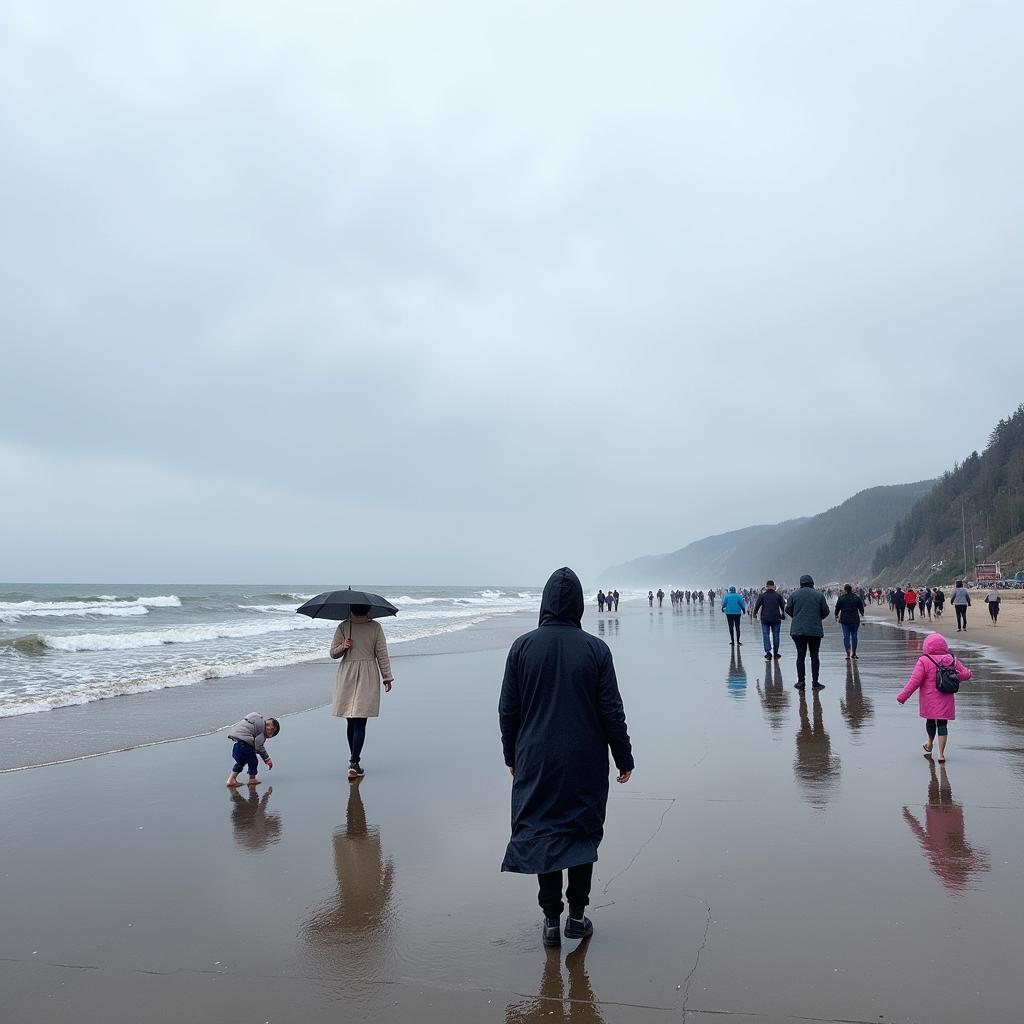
[774, 696]
[254, 827]
[354, 926]
[608, 627]
[553, 1003]
[856, 708]
[736, 679]
[943, 836]
[815, 766]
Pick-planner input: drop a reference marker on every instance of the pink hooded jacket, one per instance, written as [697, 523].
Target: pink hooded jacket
[933, 702]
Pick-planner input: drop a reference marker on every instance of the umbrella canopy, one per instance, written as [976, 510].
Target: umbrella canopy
[337, 604]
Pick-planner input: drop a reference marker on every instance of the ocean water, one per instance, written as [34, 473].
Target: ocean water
[66, 645]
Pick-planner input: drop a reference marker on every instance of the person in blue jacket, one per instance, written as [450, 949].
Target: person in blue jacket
[734, 606]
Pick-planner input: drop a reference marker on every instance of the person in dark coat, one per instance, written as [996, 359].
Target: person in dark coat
[560, 712]
[899, 603]
[849, 612]
[772, 609]
[807, 609]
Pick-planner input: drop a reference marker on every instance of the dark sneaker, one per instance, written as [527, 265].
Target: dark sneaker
[355, 771]
[549, 932]
[579, 928]
[817, 686]
[767, 657]
[777, 656]
[798, 686]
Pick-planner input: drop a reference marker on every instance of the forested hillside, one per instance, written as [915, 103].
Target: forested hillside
[974, 513]
[836, 545]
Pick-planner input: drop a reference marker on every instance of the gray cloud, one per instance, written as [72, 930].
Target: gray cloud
[475, 291]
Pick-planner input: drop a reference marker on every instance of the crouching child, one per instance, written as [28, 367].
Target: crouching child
[249, 737]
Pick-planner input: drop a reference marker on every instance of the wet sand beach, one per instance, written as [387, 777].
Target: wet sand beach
[775, 857]
[1005, 639]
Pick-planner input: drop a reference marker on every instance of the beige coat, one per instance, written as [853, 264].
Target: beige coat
[357, 687]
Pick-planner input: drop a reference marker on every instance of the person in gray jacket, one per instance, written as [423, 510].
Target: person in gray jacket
[807, 609]
[249, 735]
[960, 599]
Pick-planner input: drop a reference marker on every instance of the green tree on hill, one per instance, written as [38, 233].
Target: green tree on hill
[981, 501]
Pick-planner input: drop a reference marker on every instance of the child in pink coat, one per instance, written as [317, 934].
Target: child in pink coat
[937, 708]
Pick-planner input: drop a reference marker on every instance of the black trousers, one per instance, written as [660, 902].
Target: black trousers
[961, 615]
[356, 731]
[734, 624]
[577, 892]
[803, 645]
[900, 612]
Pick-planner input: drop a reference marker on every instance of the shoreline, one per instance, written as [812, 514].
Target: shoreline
[149, 718]
[1003, 643]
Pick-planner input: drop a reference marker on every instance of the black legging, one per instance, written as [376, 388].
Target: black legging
[577, 892]
[900, 611]
[356, 731]
[961, 615]
[993, 610]
[803, 645]
[734, 624]
[936, 725]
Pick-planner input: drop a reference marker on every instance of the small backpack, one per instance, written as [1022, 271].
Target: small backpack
[946, 679]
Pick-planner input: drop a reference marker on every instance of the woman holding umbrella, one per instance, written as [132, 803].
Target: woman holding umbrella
[359, 643]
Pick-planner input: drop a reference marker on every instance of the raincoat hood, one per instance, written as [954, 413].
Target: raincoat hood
[562, 601]
[935, 644]
[732, 590]
[806, 581]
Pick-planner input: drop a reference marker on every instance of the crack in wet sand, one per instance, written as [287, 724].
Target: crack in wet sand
[437, 986]
[650, 839]
[696, 961]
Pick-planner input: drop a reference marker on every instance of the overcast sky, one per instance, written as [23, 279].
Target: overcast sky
[461, 292]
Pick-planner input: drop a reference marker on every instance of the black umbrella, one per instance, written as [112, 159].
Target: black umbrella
[337, 604]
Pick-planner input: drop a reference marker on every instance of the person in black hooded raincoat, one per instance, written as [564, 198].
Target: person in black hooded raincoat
[560, 711]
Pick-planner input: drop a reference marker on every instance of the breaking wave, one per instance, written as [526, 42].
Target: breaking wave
[176, 635]
[83, 607]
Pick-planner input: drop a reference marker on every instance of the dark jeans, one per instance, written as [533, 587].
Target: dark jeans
[910, 610]
[245, 757]
[577, 892]
[961, 615]
[771, 629]
[850, 636]
[734, 624]
[993, 611]
[933, 725]
[803, 645]
[900, 612]
[356, 731]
